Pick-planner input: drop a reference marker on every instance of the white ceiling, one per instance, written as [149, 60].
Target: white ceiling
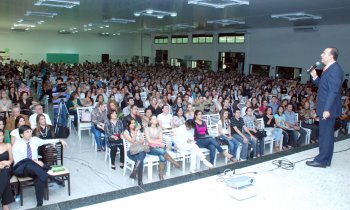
[256, 15]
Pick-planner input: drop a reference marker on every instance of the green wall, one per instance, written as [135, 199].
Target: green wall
[62, 57]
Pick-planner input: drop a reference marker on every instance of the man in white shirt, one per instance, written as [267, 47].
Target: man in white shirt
[127, 109]
[165, 119]
[38, 110]
[26, 163]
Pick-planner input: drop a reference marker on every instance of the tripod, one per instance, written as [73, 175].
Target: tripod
[62, 105]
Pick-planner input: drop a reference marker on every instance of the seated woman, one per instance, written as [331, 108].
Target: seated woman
[88, 99]
[278, 133]
[13, 95]
[72, 105]
[225, 136]
[137, 100]
[184, 141]
[154, 136]
[308, 119]
[113, 129]
[203, 140]
[15, 133]
[7, 137]
[133, 135]
[189, 115]
[179, 119]
[6, 161]
[5, 103]
[146, 118]
[26, 104]
[280, 120]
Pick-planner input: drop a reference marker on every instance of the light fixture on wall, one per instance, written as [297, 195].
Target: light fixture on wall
[119, 20]
[155, 13]
[219, 3]
[226, 22]
[296, 16]
[58, 3]
[41, 14]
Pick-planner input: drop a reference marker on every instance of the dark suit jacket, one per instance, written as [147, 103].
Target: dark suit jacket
[329, 91]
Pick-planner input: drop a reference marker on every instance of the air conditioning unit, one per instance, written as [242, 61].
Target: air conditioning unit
[305, 28]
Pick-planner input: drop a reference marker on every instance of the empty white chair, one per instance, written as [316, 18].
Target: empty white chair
[83, 125]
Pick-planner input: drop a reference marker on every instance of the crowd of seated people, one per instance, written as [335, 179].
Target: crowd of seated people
[168, 97]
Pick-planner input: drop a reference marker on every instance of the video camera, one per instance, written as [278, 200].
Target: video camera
[61, 87]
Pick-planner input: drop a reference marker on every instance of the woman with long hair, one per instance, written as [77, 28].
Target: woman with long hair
[88, 101]
[154, 136]
[7, 137]
[225, 136]
[6, 161]
[280, 119]
[5, 102]
[203, 140]
[113, 129]
[189, 115]
[15, 133]
[13, 95]
[278, 133]
[179, 119]
[72, 105]
[133, 135]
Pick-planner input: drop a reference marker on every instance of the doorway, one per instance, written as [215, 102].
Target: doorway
[231, 61]
[105, 58]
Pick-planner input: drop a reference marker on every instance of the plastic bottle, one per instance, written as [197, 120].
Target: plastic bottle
[173, 146]
[18, 202]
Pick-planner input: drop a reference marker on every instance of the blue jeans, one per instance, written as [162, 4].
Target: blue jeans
[232, 144]
[158, 151]
[210, 144]
[99, 142]
[244, 151]
[139, 156]
[63, 116]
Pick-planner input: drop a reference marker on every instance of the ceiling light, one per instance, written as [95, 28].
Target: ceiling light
[41, 14]
[296, 16]
[119, 20]
[58, 3]
[155, 13]
[226, 22]
[219, 3]
[41, 22]
[24, 25]
[20, 21]
[180, 26]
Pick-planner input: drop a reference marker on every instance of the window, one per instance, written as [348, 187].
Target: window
[202, 39]
[179, 39]
[161, 40]
[231, 38]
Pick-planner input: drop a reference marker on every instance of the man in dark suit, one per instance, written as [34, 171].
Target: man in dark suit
[328, 106]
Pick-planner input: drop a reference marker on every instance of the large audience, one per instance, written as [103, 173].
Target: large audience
[136, 104]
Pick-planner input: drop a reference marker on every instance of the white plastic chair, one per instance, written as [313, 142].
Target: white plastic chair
[83, 125]
[308, 131]
[168, 139]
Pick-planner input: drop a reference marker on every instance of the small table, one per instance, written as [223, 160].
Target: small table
[64, 175]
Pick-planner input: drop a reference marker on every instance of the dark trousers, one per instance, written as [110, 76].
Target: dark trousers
[33, 171]
[211, 145]
[326, 141]
[5, 188]
[314, 130]
[114, 150]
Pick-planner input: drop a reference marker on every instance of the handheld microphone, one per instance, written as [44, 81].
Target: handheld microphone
[313, 67]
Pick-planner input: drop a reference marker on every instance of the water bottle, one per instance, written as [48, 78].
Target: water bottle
[18, 202]
[173, 146]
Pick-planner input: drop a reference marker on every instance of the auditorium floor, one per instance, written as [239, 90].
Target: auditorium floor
[303, 187]
[92, 181]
